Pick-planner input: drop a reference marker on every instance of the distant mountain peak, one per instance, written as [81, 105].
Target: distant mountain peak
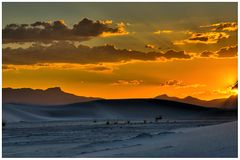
[190, 98]
[56, 89]
[163, 96]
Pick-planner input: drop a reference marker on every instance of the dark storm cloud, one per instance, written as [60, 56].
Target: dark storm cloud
[66, 52]
[58, 30]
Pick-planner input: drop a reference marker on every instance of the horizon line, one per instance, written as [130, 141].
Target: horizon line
[154, 97]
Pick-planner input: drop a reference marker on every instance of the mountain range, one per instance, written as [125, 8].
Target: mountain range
[50, 96]
[225, 103]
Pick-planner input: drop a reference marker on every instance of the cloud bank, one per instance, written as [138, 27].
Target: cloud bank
[222, 26]
[224, 52]
[203, 38]
[58, 30]
[67, 52]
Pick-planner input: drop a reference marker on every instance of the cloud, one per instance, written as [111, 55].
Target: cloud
[176, 54]
[231, 51]
[172, 83]
[67, 52]
[120, 31]
[127, 83]
[58, 30]
[163, 31]
[207, 54]
[6, 67]
[228, 51]
[223, 26]
[179, 84]
[203, 38]
[150, 46]
[106, 21]
[99, 69]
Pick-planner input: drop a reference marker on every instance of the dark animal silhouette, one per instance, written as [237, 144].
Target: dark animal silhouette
[158, 118]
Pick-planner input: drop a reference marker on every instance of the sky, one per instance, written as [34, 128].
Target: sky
[122, 50]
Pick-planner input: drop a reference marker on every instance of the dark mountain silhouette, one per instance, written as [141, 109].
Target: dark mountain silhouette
[55, 96]
[50, 96]
[225, 103]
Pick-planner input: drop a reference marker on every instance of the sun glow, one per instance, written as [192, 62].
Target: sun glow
[234, 92]
[235, 89]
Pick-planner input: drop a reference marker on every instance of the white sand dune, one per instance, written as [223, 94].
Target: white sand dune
[67, 137]
[101, 140]
[111, 109]
[209, 141]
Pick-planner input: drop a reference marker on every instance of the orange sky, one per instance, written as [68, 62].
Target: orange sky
[113, 56]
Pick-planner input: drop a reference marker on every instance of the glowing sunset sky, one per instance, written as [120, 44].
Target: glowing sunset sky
[122, 50]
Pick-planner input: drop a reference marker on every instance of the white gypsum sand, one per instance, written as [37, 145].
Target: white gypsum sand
[209, 141]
